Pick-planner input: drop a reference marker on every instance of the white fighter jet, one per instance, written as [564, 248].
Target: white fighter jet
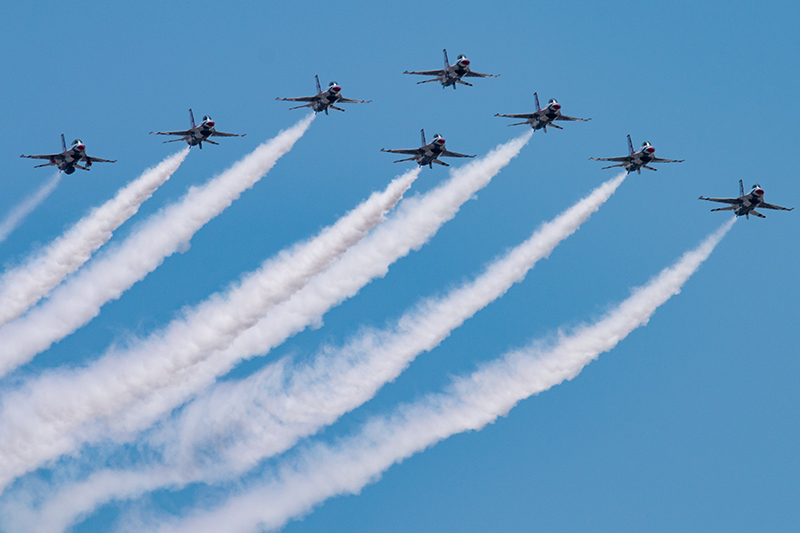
[70, 159]
[637, 160]
[745, 204]
[428, 154]
[324, 99]
[451, 74]
[543, 117]
[197, 134]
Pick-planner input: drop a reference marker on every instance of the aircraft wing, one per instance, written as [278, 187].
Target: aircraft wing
[659, 160]
[300, 99]
[415, 151]
[351, 101]
[181, 132]
[98, 160]
[448, 153]
[772, 206]
[223, 134]
[45, 156]
[471, 74]
[623, 159]
[520, 115]
[425, 72]
[565, 117]
[733, 201]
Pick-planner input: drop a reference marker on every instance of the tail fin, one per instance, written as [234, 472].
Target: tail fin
[446, 61]
[630, 144]
[536, 97]
[191, 117]
[424, 142]
[319, 89]
[63, 144]
[741, 188]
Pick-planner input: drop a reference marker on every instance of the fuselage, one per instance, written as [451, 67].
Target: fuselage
[76, 152]
[431, 151]
[639, 159]
[454, 72]
[327, 97]
[750, 201]
[201, 132]
[546, 116]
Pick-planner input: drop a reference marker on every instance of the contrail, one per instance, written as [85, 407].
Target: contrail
[15, 217]
[23, 286]
[59, 411]
[79, 300]
[323, 471]
[118, 380]
[270, 411]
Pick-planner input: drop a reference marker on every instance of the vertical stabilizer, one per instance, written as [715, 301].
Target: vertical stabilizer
[630, 144]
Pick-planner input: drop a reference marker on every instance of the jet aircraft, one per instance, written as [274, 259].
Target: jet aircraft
[745, 204]
[637, 160]
[451, 74]
[543, 117]
[68, 160]
[197, 135]
[427, 154]
[324, 99]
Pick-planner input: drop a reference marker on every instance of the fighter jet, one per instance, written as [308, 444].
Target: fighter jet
[197, 135]
[746, 203]
[427, 154]
[451, 74]
[637, 160]
[543, 117]
[68, 160]
[324, 100]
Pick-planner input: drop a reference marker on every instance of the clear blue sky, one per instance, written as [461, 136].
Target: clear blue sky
[689, 424]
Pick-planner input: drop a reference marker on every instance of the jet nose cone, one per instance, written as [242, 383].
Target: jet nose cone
[81, 147]
[556, 106]
[210, 123]
[440, 141]
[336, 88]
[759, 192]
[465, 62]
[650, 150]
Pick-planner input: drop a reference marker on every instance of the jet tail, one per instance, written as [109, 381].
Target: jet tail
[730, 208]
[439, 163]
[446, 61]
[650, 168]
[741, 188]
[298, 107]
[756, 213]
[44, 165]
[336, 108]
[630, 144]
[63, 144]
[191, 118]
[407, 159]
[422, 132]
[319, 89]
[536, 97]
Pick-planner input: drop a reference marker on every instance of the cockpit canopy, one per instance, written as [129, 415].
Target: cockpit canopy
[646, 143]
[756, 186]
[552, 101]
[206, 118]
[461, 56]
[77, 141]
[331, 84]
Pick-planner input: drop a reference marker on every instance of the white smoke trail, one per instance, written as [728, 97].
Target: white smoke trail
[15, 217]
[23, 286]
[79, 300]
[61, 410]
[270, 411]
[120, 379]
[470, 403]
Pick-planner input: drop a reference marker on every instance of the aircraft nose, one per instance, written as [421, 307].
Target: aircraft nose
[81, 147]
[465, 62]
[650, 150]
[759, 192]
[440, 140]
[336, 88]
[556, 106]
[210, 123]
